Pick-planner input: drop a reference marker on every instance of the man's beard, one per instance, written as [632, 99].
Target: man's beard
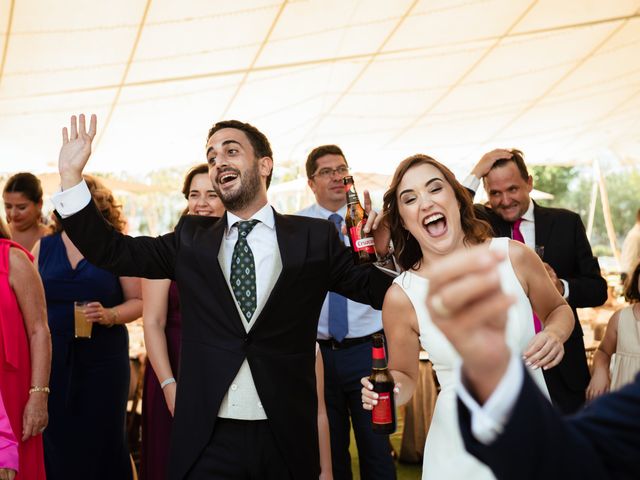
[249, 187]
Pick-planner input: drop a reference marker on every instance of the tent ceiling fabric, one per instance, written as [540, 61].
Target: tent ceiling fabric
[559, 80]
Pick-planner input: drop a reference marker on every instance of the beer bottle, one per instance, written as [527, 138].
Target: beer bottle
[383, 415]
[362, 245]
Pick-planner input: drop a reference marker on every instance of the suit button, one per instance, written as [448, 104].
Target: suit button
[248, 340]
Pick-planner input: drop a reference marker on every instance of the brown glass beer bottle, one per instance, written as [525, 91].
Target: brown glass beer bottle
[383, 415]
[362, 245]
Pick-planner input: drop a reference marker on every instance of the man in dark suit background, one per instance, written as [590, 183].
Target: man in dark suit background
[558, 235]
[251, 285]
[504, 419]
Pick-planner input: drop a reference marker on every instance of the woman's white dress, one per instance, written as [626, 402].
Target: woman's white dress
[445, 457]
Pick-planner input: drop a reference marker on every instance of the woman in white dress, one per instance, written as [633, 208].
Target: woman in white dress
[430, 215]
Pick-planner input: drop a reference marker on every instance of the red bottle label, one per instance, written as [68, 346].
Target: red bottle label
[381, 413]
[360, 242]
[377, 353]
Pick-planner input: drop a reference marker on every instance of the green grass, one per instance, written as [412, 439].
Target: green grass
[405, 471]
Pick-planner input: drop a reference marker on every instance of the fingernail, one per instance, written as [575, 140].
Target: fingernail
[375, 395]
[374, 402]
[528, 363]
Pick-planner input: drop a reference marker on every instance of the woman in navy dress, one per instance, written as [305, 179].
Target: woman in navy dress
[86, 435]
[162, 327]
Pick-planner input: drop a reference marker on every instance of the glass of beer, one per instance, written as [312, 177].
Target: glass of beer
[82, 326]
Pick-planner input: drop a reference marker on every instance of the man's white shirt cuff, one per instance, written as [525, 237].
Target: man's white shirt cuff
[471, 182]
[565, 295]
[71, 200]
[488, 420]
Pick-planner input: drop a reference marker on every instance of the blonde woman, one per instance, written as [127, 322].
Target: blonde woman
[89, 376]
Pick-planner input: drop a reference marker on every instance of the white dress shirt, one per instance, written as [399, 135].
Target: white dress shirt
[488, 420]
[363, 320]
[241, 401]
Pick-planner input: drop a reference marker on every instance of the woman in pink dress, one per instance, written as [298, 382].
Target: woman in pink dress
[8, 446]
[25, 354]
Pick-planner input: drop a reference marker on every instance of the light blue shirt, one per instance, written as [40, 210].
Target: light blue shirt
[363, 320]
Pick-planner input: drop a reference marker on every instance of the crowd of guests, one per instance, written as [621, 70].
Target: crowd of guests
[258, 325]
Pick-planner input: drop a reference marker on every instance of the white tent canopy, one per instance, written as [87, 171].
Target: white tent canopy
[383, 79]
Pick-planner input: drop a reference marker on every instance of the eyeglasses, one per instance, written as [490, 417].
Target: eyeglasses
[342, 170]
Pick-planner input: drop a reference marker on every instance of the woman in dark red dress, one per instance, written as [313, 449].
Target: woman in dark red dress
[162, 327]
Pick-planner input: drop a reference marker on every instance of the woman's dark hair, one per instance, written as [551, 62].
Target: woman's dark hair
[197, 170]
[25, 183]
[631, 293]
[103, 198]
[407, 249]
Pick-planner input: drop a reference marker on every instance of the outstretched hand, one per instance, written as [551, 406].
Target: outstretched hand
[466, 302]
[75, 150]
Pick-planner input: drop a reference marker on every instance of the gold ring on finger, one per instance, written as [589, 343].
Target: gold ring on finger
[439, 307]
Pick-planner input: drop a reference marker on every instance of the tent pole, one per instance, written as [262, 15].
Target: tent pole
[606, 211]
[594, 198]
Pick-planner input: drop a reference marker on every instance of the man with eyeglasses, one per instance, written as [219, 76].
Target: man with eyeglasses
[344, 334]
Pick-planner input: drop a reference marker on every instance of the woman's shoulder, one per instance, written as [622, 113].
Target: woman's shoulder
[397, 296]
[16, 250]
[20, 263]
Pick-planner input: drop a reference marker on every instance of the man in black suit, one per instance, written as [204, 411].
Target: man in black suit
[504, 419]
[558, 235]
[252, 284]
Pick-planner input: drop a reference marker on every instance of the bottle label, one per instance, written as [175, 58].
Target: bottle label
[381, 413]
[377, 353]
[361, 243]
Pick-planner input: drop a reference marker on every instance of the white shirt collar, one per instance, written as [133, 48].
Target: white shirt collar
[325, 213]
[264, 215]
[528, 215]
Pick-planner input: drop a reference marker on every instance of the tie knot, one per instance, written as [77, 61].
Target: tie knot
[517, 223]
[244, 228]
[337, 220]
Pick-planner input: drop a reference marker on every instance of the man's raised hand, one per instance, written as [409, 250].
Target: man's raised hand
[75, 150]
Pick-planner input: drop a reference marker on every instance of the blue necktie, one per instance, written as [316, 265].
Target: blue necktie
[338, 319]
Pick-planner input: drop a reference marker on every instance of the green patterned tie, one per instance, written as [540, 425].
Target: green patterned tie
[243, 271]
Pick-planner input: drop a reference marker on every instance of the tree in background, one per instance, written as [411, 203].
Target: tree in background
[571, 187]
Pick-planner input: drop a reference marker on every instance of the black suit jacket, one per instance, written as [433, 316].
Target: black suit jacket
[568, 252]
[280, 347]
[601, 442]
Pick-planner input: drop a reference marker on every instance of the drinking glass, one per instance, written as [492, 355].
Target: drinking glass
[82, 326]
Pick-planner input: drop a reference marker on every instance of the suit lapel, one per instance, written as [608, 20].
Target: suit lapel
[543, 224]
[222, 291]
[292, 244]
